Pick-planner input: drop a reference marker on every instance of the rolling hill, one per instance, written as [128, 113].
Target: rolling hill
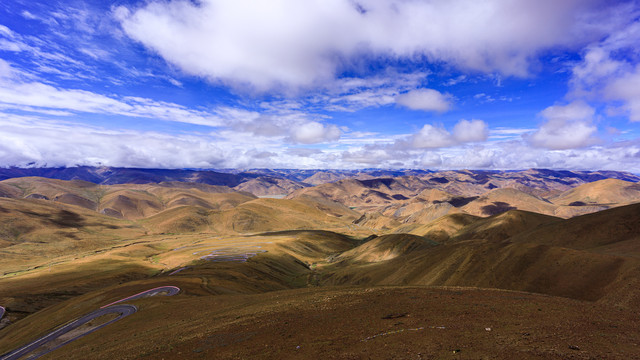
[459, 258]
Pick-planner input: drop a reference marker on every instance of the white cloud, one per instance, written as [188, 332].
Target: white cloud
[626, 88]
[313, 132]
[5, 31]
[470, 131]
[431, 160]
[24, 140]
[303, 152]
[44, 142]
[432, 137]
[425, 99]
[356, 93]
[567, 127]
[609, 71]
[30, 139]
[28, 15]
[289, 44]
[19, 93]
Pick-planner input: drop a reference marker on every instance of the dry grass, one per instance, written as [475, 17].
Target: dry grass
[285, 285]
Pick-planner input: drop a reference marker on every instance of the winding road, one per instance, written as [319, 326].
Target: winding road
[169, 290]
[123, 310]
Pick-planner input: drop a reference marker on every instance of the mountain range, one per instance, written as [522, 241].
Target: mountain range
[543, 259]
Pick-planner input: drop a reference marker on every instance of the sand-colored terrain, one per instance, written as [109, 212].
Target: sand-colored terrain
[310, 277]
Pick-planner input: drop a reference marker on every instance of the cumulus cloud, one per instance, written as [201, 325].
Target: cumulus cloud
[432, 137]
[608, 71]
[313, 132]
[303, 152]
[287, 43]
[566, 127]
[34, 140]
[470, 131]
[425, 99]
[431, 160]
[25, 140]
[626, 88]
[42, 142]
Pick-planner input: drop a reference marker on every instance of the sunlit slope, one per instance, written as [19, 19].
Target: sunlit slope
[421, 200]
[275, 261]
[32, 231]
[501, 200]
[502, 226]
[74, 192]
[603, 192]
[138, 204]
[375, 220]
[385, 247]
[352, 192]
[267, 185]
[282, 214]
[125, 201]
[440, 230]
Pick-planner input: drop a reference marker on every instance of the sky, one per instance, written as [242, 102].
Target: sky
[321, 84]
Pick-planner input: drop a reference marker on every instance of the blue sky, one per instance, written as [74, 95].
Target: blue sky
[321, 84]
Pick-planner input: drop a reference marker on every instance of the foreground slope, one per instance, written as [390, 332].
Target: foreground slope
[397, 322]
[580, 258]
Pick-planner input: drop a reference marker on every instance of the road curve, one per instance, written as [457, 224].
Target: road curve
[170, 290]
[123, 310]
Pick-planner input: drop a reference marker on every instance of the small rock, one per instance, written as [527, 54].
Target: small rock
[573, 347]
[394, 316]
[487, 329]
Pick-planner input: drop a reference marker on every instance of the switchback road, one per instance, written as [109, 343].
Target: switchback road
[123, 310]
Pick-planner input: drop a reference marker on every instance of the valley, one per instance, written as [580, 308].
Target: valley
[533, 264]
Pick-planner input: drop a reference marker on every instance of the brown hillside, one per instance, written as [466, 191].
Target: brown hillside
[527, 267]
[34, 231]
[376, 220]
[440, 230]
[500, 200]
[603, 192]
[75, 192]
[131, 204]
[591, 231]
[385, 247]
[262, 215]
[371, 192]
[128, 201]
[503, 226]
[266, 185]
[356, 322]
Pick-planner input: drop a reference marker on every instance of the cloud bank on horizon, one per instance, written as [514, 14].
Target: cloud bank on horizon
[321, 84]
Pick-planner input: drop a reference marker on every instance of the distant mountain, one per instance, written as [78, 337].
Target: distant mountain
[257, 183]
[115, 175]
[425, 198]
[381, 183]
[269, 185]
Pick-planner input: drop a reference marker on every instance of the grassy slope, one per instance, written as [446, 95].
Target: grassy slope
[593, 257]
